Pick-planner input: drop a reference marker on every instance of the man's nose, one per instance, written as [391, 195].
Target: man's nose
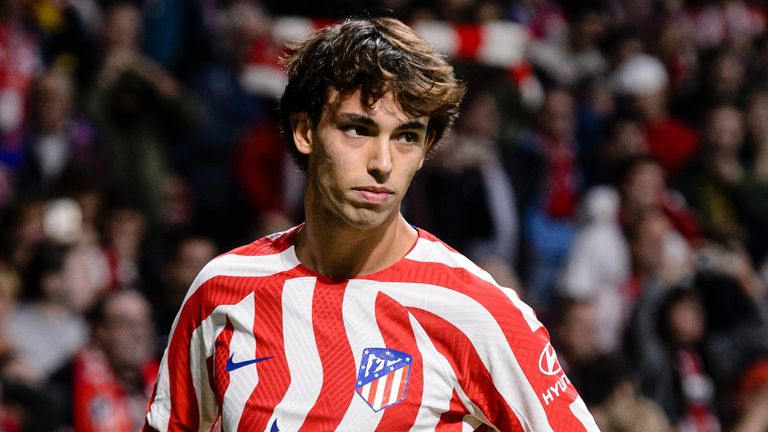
[380, 162]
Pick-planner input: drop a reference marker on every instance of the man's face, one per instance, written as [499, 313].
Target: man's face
[361, 161]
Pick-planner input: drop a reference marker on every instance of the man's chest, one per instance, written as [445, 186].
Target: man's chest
[313, 355]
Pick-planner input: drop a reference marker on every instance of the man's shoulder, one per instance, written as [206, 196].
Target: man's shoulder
[267, 256]
[443, 261]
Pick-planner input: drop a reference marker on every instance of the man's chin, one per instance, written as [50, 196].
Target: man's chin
[365, 220]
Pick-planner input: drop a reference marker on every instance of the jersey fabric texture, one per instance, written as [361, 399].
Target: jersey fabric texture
[431, 343]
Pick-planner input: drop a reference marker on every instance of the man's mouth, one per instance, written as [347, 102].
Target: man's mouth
[374, 194]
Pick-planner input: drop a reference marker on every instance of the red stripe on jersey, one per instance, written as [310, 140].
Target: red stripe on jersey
[426, 235]
[336, 357]
[395, 327]
[372, 392]
[220, 356]
[274, 375]
[473, 376]
[452, 420]
[387, 389]
[526, 345]
[219, 290]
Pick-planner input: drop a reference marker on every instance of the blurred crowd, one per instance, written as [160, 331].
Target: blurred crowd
[617, 178]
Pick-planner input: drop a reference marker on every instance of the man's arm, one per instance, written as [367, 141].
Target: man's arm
[183, 399]
[544, 396]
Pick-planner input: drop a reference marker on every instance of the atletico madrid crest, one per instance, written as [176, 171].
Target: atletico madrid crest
[382, 378]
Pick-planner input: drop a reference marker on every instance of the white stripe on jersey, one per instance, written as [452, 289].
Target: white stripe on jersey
[159, 413]
[242, 346]
[580, 411]
[436, 252]
[224, 265]
[397, 382]
[439, 379]
[206, 399]
[381, 384]
[442, 381]
[360, 302]
[432, 251]
[301, 355]
[496, 357]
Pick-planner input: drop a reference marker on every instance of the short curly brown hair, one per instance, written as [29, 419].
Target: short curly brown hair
[374, 56]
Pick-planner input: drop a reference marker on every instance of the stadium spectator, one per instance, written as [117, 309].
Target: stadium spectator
[107, 384]
[547, 182]
[226, 111]
[188, 253]
[670, 364]
[642, 82]
[598, 266]
[59, 141]
[469, 184]
[140, 111]
[608, 390]
[576, 334]
[711, 184]
[46, 329]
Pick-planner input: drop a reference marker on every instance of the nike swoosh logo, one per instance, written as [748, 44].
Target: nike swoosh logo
[232, 365]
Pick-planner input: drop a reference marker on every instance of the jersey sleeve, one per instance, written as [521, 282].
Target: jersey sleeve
[526, 374]
[183, 399]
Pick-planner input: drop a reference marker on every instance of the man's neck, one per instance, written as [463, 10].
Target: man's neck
[342, 252]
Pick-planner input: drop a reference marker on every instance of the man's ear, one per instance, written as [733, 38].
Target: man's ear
[301, 127]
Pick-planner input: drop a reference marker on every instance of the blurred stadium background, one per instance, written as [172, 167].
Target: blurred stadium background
[610, 164]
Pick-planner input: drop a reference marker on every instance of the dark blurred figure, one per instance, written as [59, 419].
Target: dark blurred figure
[140, 111]
[21, 230]
[606, 387]
[548, 183]
[722, 81]
[48, 327]
[21, 61]
[752, 398]
[227, 110]
[623, 139]
[660, 257]
[466, 195]
[712, 182]
[642, 84]
[177, 34]
[271, 182]
[68, 36]
[753, 196]
[59, 142]
[23, 407]
[187, 255]
[125, 228]
[576, 333]
[107, 385]
[573, 57]
[598, 266]
[643, 186]
[667, 342]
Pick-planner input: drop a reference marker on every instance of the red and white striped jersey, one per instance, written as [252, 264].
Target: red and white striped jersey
[431, 343]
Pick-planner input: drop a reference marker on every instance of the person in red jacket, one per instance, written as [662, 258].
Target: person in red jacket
[107, 384]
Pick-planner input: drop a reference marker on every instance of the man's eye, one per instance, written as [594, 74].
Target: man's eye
[409, 137]
[355, 130]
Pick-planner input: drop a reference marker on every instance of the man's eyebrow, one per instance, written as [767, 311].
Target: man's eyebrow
[364, 119]
[355, 118]
[413, 125]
